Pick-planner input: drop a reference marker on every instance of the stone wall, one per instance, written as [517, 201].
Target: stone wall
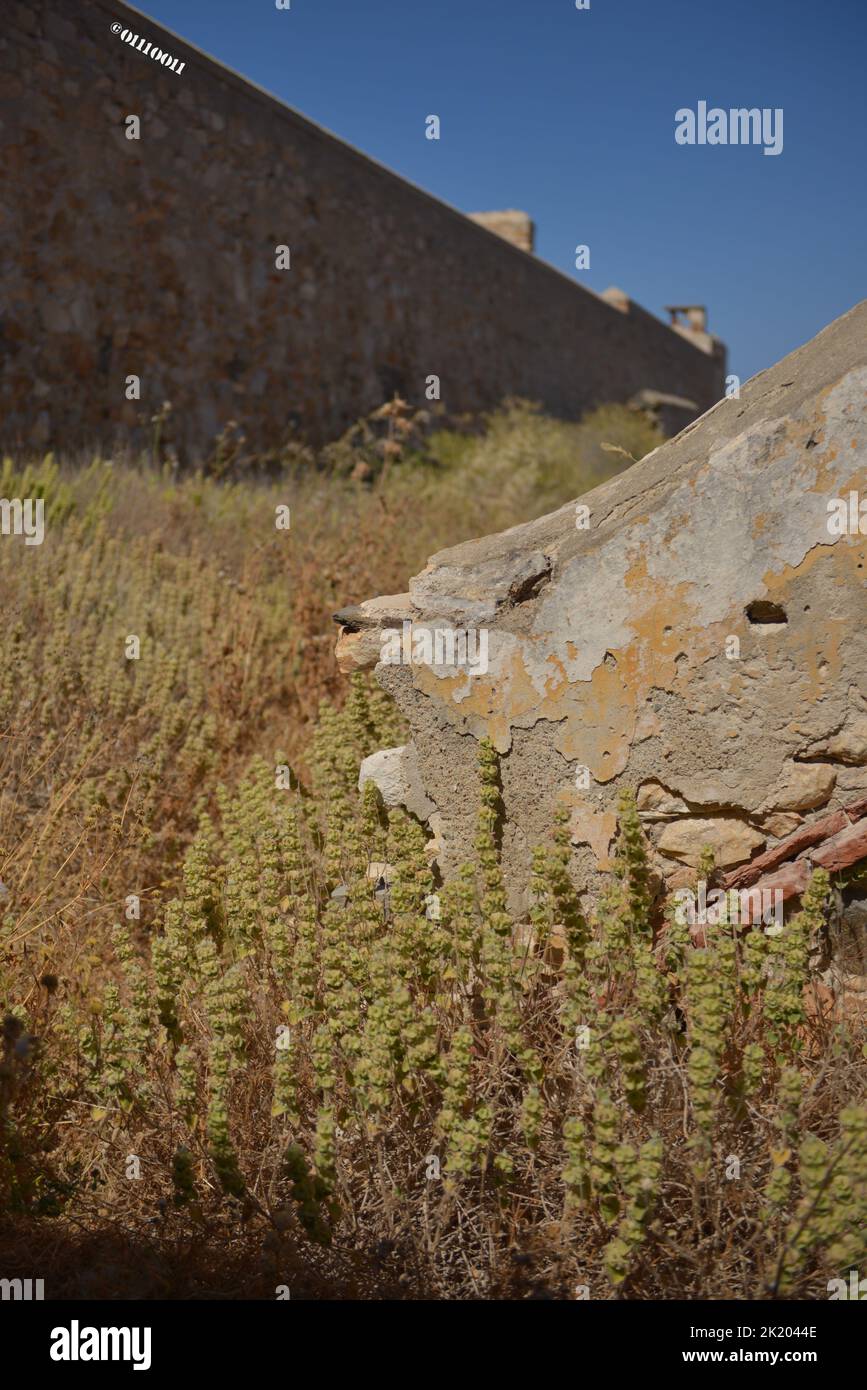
[515, 227]
[693, 630]
[156, 258]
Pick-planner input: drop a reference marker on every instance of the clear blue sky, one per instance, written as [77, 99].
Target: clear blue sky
[569, 115]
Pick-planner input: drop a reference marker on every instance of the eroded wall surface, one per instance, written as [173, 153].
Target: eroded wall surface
[693, 629]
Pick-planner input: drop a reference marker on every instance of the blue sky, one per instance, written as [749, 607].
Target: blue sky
[570, 115]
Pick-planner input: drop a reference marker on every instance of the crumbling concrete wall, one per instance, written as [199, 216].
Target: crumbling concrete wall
[693, 629]
[156, 257]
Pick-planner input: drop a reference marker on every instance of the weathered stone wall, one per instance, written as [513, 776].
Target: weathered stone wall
[512, 225]
[156, 258]
[701, 640]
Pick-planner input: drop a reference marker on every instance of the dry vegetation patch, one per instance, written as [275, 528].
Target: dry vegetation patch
[237, 1056]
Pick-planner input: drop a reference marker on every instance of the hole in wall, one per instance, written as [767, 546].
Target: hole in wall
[761, 610]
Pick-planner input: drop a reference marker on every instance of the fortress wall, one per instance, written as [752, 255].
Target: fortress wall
[156, 258]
